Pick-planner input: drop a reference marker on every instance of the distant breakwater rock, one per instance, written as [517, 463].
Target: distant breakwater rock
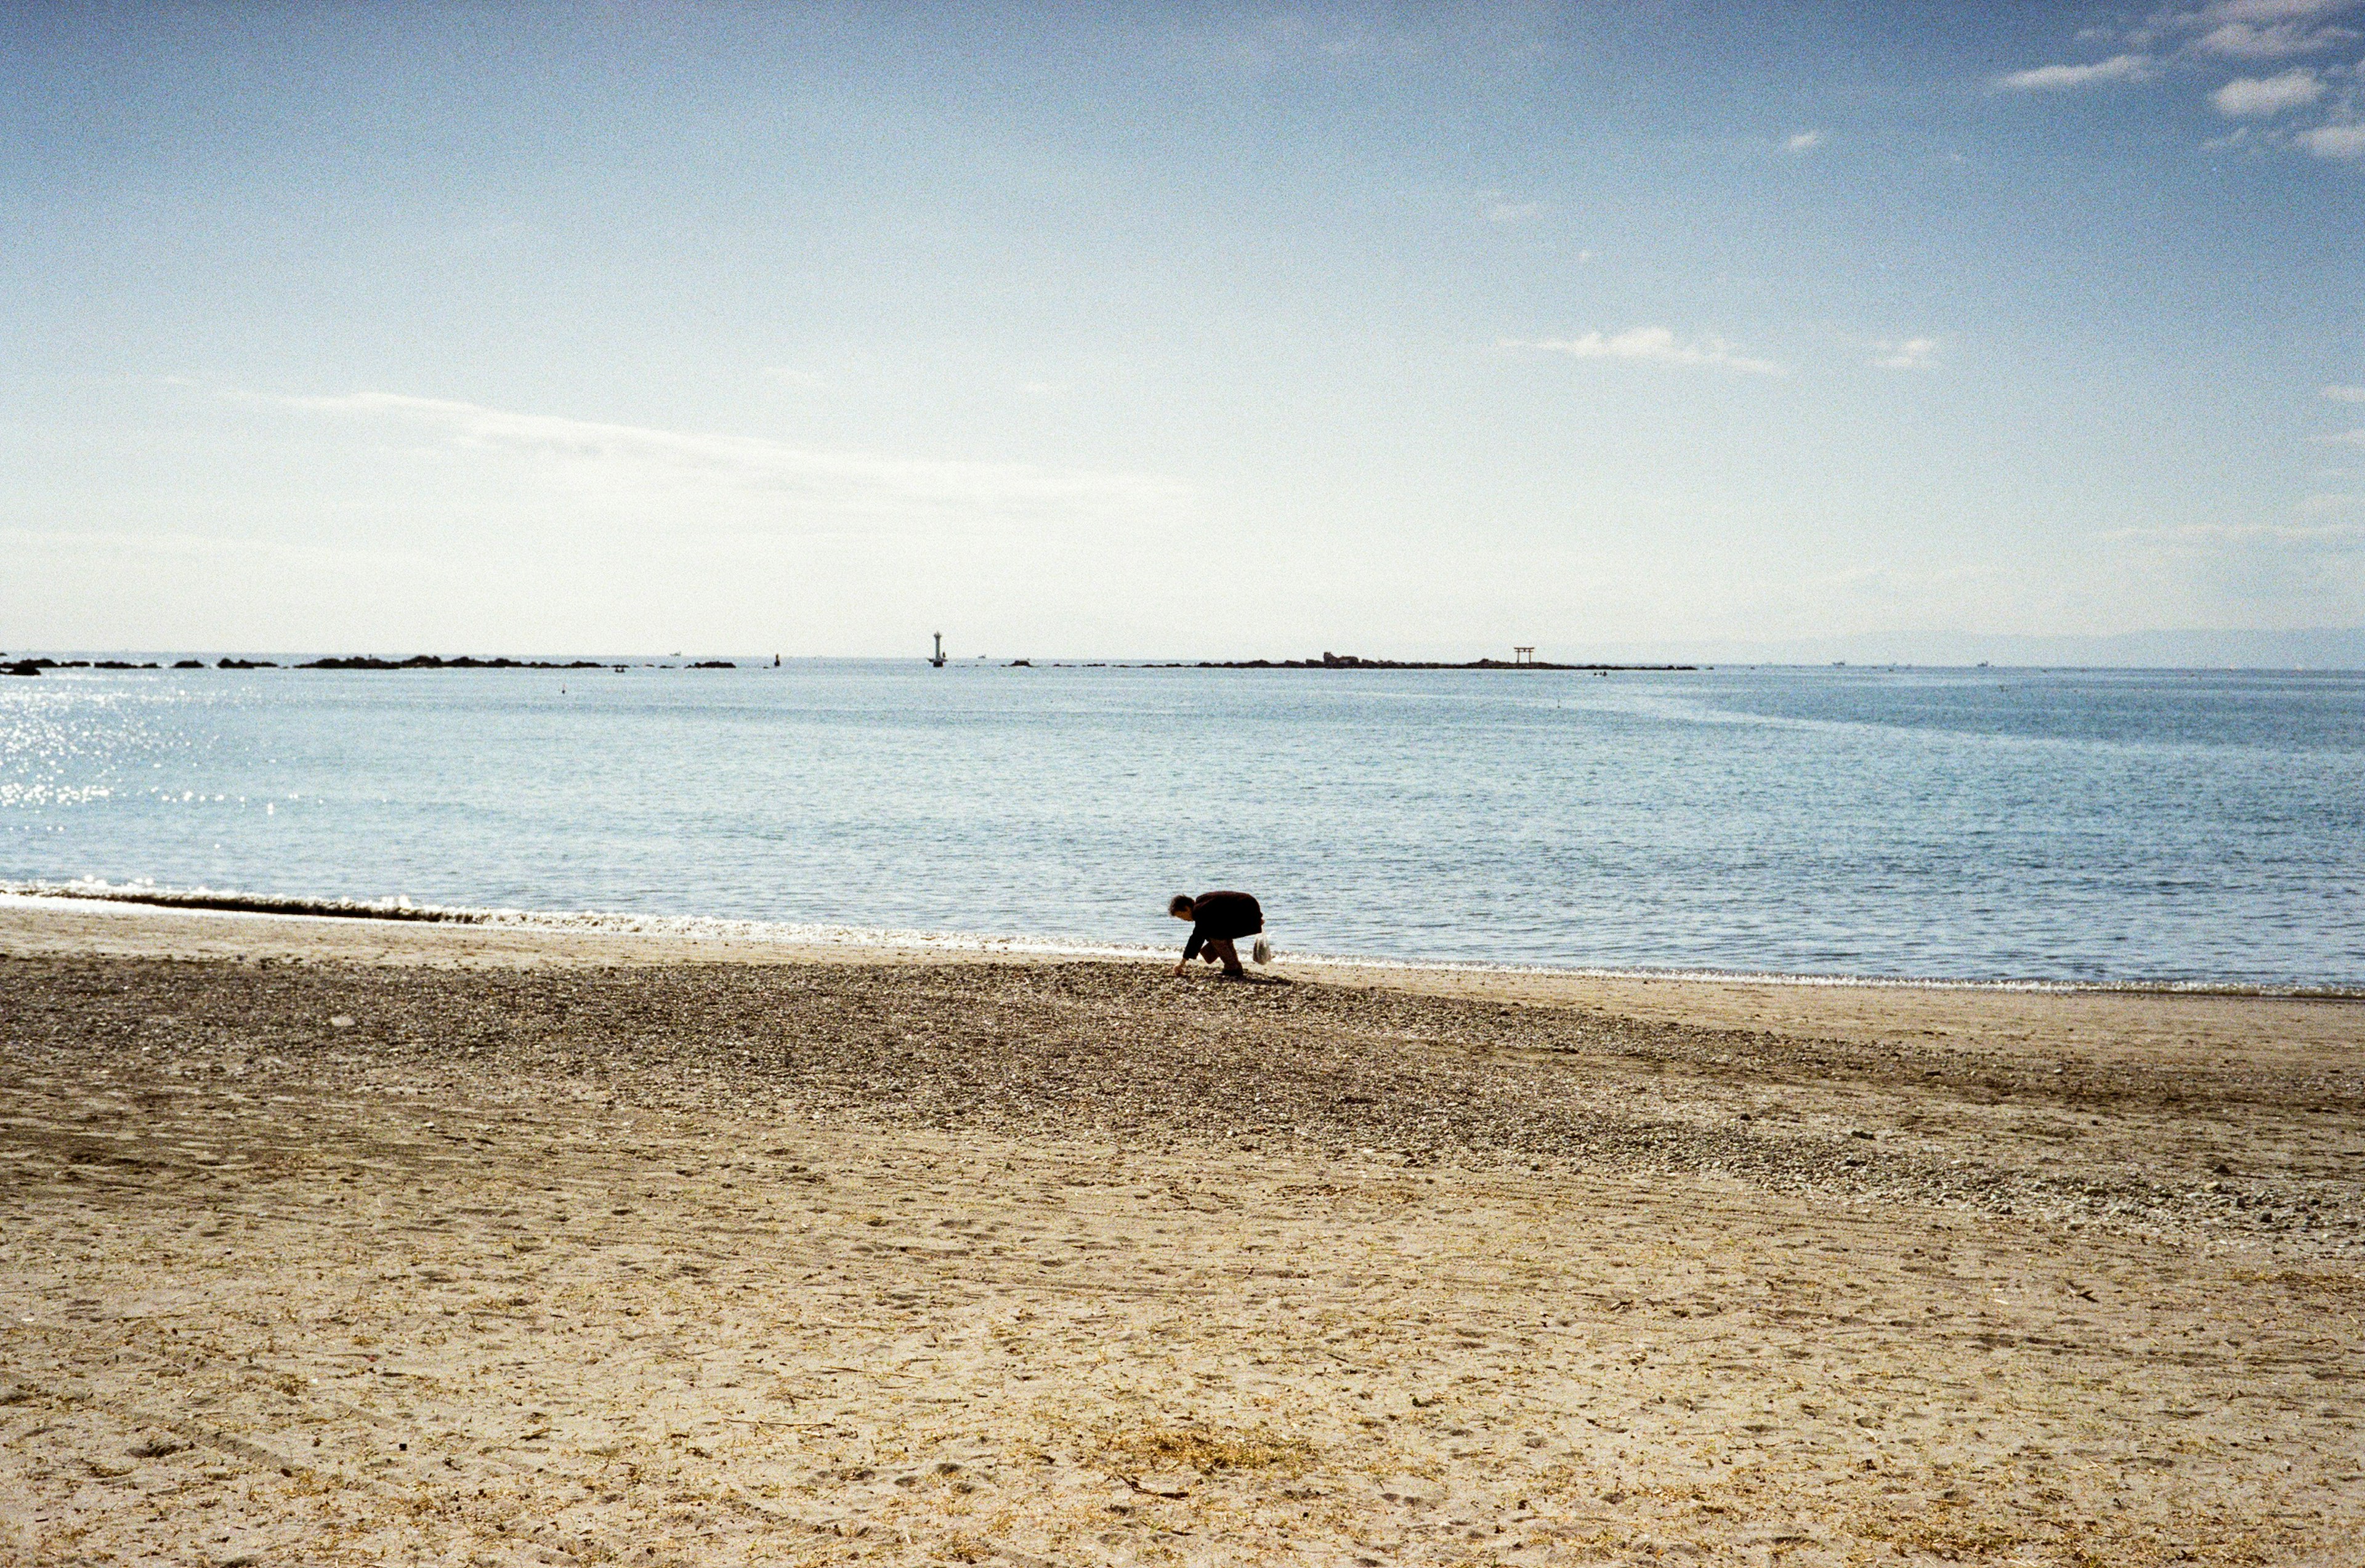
[35, 667]
[430, 661]
[1352, 661]
[363, 662]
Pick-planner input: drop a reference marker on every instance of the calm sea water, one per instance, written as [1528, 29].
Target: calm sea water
[2085, 825]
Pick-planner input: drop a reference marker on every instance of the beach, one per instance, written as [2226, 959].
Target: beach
[337, 1241]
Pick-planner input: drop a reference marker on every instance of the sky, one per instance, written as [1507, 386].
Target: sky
[1195, 331]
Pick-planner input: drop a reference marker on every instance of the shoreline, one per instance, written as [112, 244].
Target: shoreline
[2165, 1030]
[800, 935]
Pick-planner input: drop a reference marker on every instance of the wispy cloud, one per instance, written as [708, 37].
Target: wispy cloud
[1280, 42]
[2346, 394]
[2247, 96]
[1904, 353]
[2332, 533]
[2065, 78]
[755, 467]
[2334, 141]
[2261, 30]
[1805, 142]
[2344, 438]
[1497, 207]
[2277, 40]
[1652, 345]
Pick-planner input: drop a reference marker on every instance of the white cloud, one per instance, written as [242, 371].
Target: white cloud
[2262, 29]
[2241, 40]
[2334, 141]
[2251, 96]
[614, 456]
[2346, 394]
[1804, 141]
[1652, 345]
[2344, 438]
[2330, 504]
[2062, 78]
[1904, 353]
[2275, 10]
[2257, 13]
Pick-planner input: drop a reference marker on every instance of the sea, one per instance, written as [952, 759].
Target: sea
[2183, 828]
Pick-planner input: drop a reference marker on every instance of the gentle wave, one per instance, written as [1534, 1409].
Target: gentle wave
[810, 933]
[595, 922]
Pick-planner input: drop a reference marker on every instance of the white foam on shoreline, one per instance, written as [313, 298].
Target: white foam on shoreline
[784, 932]
[799, 933]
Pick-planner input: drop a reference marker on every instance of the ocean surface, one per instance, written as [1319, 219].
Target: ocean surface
[2087, 826]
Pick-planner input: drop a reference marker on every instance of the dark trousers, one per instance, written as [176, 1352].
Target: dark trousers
[1219, 950]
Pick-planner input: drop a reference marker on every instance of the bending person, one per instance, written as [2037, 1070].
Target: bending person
[1217, 921]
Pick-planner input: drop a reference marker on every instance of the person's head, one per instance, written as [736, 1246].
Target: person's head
[1178, 906]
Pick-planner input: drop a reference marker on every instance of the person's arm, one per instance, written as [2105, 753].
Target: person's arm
[1198, 940]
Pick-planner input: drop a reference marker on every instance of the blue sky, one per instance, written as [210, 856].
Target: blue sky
[1190, 331]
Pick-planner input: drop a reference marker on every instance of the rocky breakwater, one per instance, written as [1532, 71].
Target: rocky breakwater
[35, 667]
[431, 661]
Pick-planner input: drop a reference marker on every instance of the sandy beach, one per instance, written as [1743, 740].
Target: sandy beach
[335, 1241]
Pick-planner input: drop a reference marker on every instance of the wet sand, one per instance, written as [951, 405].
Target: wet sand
[333, 1241]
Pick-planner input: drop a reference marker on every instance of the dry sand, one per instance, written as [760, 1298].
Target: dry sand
[329, 1241]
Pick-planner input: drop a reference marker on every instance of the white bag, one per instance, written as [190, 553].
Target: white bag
[1261, 954]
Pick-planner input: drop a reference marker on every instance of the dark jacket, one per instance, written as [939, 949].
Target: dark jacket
[1217, 916]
